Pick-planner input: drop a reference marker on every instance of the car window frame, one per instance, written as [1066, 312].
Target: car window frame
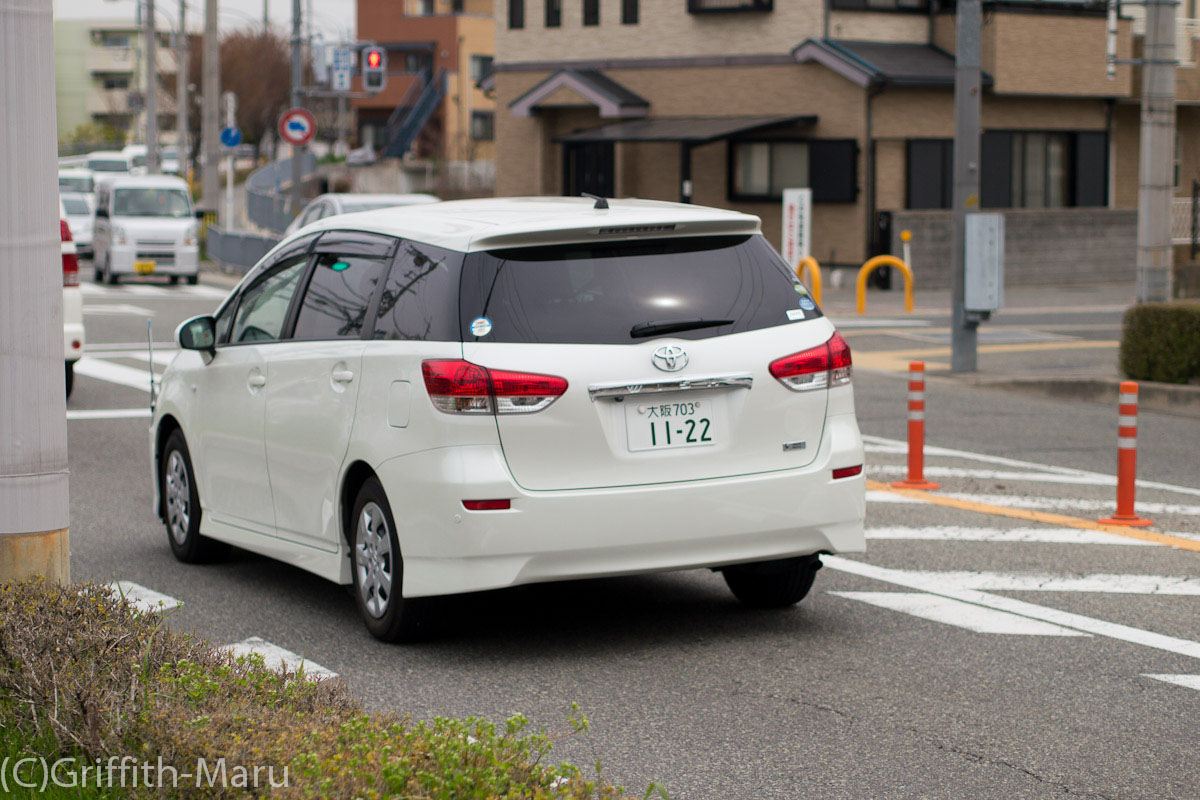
[301, 247]
[350, 243]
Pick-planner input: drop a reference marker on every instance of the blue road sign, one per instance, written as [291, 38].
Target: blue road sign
[231, 137]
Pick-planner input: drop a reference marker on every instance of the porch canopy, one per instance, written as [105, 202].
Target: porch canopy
[689, 132]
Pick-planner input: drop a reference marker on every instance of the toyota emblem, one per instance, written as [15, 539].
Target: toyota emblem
[670, 358]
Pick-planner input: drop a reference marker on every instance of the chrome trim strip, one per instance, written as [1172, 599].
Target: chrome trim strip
[738, 381]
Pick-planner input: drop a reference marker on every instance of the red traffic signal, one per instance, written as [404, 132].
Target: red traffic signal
[374, 59]
[374, 72]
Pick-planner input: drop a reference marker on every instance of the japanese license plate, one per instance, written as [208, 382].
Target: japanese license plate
[144, 267]
[671, 424]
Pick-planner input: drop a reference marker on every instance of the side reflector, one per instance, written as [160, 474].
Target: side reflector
[487, 505]
[847, 472]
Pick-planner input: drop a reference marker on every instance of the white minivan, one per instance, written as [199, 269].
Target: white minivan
[478, 394]
[145, 226]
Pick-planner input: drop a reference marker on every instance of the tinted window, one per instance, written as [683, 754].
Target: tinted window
[263, 309]
[335, 304]
[597, 293]
[420, 298]
[148, 202]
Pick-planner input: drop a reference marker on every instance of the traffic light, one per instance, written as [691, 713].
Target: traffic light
[374, 68]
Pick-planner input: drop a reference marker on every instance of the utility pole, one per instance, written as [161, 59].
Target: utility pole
[1156, 159]
[150, 34]
[227, 221]
[297, 99]
[210, 89]
[967, 102]
[181, 93]
[34, 509]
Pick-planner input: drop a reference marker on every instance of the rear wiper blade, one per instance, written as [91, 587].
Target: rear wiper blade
[653, 328]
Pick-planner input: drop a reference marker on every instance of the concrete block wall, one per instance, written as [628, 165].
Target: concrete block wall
[1042, 247]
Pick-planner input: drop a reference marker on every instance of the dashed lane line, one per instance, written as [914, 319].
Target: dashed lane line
[959, 614]
[278, 658]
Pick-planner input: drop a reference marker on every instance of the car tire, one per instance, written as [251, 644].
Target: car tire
[193, 280]
[110, 277]
[181, 505]
[378, 571]
[772, 584]
[70, 377]
[173, 279]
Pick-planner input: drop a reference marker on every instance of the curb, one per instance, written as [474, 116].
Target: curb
[1169, 398]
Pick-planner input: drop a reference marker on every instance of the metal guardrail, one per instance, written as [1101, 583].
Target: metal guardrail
[237, 250]
[268, 203]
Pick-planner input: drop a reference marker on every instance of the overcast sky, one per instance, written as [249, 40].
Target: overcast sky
[331, 17]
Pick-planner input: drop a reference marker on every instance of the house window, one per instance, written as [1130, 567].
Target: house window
[553, 13]
[114, 39]
[880, 5]
[930, 173]
[418, 63]
[717, 6]
[483, 126]
[761, 170]
[457, 6]
[481, 67]
[1044, 169]
[591, 12]
[629, 12]
[516, 14]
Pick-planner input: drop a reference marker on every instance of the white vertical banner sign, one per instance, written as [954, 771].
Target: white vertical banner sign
[797, 225]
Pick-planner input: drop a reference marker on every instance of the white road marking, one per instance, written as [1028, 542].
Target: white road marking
[1189, 681]
[107, 413]
[1028, 465]
[161, 357]
[152, 291]
[143, 599]
[1106, 583]
[951, 533]
[117, 309]
[92, 367]
[877, 496]
[100, 348]
[1053, 616]
[998, 475]
[960, 614]
[276, 657]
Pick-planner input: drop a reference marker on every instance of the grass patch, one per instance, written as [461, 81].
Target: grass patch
[84, 674]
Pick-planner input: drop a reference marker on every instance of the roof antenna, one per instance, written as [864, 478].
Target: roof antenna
[600, 201]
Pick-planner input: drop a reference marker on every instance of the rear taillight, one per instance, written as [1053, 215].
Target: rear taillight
[820, 367]
[460, 387]
[70, 259]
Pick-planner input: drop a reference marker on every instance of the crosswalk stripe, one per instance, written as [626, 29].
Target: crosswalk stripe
[277, 658]
[1188, 681]
[143, 599]
[107, 413]
[1105, 583]
[119, 374]
[945, 533]
[1054, 616]
[151, 291]
[960, 614]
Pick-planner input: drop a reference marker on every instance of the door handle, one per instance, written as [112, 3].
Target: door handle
[342, 376]
[256, 381]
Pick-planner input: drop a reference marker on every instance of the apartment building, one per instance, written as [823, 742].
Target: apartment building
[99, 75]
[728, 102]
[432, 106]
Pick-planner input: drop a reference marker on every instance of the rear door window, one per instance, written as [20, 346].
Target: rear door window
[338, 296]
[627, 292]
[420, 298]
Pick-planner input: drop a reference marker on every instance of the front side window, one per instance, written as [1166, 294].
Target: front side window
[516, 13]
[151, 202]
[263, 308]
[624, 292]
[420, 298]
[335, 303]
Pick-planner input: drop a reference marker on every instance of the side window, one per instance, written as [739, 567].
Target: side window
[263, 309]
[420, 297]
[335, 304]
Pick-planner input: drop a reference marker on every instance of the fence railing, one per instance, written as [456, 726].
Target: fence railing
[268, 195]
[1185, 224]
[237, 251]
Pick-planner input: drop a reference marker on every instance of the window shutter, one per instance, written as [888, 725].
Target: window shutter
[995, 177]
[1091, 168]
[929, 168]
[833, 170]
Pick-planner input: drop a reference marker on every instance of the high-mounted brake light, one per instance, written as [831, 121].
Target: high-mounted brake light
[824, 366]
[70, 259]
[460, 387]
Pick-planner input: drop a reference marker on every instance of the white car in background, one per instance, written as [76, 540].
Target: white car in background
[330, 205]
[79, 210]
[73, 332]
[477, 394]
[104, 163]
[82, 181]
[145, 226]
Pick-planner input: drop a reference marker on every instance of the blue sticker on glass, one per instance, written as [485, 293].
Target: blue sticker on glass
[807, 305]
[481, 326]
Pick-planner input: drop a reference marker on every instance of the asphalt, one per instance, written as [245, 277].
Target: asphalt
[836, 698]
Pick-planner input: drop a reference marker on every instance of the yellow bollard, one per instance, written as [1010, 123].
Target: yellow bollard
[884, 261]
[809, 266]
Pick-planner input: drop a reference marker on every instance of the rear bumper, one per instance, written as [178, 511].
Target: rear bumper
[575, 534]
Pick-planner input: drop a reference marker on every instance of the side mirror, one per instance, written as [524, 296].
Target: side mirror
[102, 213]
[197, 333]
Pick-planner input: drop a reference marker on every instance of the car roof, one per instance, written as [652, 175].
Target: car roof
[411, 198]
[485, 224]
[107, 154]
[146, 181]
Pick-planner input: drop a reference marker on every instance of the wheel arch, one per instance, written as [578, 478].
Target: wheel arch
[358, 473]
[166, 426]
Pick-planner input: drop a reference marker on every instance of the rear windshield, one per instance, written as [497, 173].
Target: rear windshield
[72, 183]
[627, 292]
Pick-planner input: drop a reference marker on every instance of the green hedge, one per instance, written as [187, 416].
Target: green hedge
[83, 674]
[1161, 342]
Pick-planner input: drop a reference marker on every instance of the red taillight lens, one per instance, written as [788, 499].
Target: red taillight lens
[487, 505]
[847, 472]
[460, 387]
[816, 368]
[70, 260]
